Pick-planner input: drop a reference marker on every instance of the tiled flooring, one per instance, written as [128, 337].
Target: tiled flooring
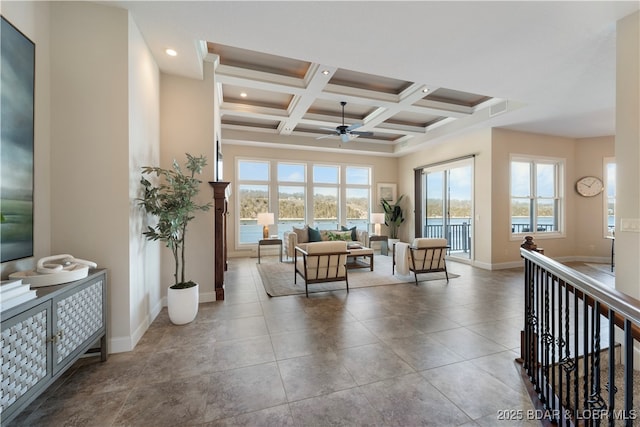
[399, 355]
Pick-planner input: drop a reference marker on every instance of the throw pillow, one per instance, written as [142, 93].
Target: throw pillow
[354, 235]
[314, 235]
[302, 234]
[339, 235]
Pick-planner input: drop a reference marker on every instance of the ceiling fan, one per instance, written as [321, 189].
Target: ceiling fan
[345, 132]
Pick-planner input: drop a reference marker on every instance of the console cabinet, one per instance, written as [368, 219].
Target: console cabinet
[43, 337]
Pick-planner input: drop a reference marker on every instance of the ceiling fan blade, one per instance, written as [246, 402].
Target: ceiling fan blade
[330, 129]
[324, 136]
[354, 126]
[344, 137]
[362, 133]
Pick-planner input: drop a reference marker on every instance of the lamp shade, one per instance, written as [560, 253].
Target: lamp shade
[265, 218]
[377, 218]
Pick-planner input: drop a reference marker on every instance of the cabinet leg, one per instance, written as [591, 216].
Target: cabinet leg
[103, 348]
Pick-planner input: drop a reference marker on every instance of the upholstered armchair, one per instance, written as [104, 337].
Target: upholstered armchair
[427, 256]
[321, 262]
[424, 255]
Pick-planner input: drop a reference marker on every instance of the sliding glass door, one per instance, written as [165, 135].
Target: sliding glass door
[448, 205]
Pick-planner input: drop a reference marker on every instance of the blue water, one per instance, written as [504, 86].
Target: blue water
[251, 232]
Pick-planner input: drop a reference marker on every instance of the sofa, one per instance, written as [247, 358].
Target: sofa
[302, 236]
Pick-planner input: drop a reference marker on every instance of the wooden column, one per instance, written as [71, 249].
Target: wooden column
[220, 235]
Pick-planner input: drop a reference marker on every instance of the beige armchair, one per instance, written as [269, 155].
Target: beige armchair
[427, 256]
[321, 262]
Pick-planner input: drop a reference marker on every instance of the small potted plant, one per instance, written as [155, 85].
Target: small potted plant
[171, 199]
[393, 217]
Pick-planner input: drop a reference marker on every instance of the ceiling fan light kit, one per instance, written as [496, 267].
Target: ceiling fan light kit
[346, 132]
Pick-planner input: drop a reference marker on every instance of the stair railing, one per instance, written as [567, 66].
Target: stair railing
[569, 348]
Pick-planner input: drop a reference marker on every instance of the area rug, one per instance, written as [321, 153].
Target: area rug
[277, 278]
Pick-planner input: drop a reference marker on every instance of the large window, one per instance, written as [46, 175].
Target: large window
[291, 195]
[536, 195]
[610, 197]
[253, 198]
[298, 193]
[357, 196]
[326, 180]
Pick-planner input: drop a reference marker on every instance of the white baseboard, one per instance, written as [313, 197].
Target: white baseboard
[207, 297]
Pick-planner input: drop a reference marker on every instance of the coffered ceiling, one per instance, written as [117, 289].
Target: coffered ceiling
[535, 66]
[265, 93]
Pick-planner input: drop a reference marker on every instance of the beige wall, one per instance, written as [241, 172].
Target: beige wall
[476, 143]
[589, 216]
[144, 149]
[505, 249]
[91, 134]
[493, 245]
[187, 126]
[384, 170]
[90, 154]
[628, 152]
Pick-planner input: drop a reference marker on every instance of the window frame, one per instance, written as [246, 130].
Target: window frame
[559, 195]
[605, 200]
[308, 184]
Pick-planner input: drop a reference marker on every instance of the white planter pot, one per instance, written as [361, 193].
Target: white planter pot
[183, 304]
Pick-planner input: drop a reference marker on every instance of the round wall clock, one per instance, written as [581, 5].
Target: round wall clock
[589, 186]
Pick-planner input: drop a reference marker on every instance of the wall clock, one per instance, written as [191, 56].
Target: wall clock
[589, 186]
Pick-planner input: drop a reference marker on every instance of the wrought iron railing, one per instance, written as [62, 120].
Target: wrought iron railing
[569, 349]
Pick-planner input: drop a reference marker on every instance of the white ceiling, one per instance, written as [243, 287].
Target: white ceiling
[552, 62]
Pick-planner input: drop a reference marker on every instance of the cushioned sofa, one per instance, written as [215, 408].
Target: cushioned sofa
[301, 236]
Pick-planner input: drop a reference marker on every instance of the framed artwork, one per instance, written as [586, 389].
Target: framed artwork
[17, 73]
[387, 192]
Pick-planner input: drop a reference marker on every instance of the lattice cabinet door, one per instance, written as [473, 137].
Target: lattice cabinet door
[25, 357]
[78, 319]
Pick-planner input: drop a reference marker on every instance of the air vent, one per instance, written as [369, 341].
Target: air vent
[498, 108]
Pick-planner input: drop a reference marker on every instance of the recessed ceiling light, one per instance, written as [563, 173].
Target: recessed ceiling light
[425, 90]
[171, 52]
[243, 94]
[325, 72]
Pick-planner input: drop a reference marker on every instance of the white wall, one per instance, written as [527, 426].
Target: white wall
[628, 152]
[32, 18]
[187, 126]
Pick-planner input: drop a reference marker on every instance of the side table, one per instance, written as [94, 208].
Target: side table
[269, 242]
[384, 245]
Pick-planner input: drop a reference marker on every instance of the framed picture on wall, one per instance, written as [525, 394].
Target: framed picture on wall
[17, 66]
[387, 191]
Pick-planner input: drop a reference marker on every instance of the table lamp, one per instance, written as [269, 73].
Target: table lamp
[377, 219]
[265, 220]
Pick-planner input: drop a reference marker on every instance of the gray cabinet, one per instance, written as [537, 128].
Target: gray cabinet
[42, 338]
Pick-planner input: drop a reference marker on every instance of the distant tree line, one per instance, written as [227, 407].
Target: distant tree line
[462, 209]
[292, 205]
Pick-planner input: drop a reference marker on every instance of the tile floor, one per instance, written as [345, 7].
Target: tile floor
[399, 355]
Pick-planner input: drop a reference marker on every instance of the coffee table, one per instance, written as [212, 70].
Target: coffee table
[354, 261]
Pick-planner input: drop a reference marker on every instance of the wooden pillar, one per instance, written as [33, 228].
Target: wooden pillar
[220, 235]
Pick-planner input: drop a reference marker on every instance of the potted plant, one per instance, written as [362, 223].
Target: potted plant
[393, 217]
[171, 199]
